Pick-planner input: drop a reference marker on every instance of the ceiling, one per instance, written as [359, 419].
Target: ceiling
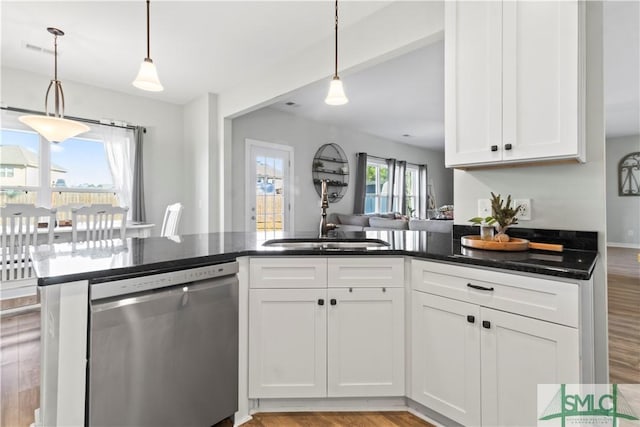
[197, 46]
[401, 96]
[212, 46]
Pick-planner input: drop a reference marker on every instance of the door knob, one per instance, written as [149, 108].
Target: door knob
[333, 301]
[471, 319]
[494, 148]
[486, 324]
[508, 146]
[321, 301]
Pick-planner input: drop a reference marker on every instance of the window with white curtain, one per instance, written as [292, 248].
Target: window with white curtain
[96, 167]
[411, 190]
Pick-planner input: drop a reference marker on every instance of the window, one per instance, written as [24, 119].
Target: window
[78, 172]
[6, 172]
[377, 191]
[411, 191]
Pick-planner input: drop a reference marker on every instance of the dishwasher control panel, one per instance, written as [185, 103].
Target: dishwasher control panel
[162, 280]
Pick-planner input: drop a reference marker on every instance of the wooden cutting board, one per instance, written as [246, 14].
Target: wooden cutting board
[514, 244]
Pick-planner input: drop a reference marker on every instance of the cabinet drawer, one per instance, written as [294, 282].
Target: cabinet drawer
[366, 272]
[294, 272]
[544, 299]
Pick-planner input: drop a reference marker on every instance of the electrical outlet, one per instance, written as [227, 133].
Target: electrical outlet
[484, 208]
[525, 209]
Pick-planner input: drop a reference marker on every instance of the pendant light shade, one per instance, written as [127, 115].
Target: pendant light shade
[336, 94]
[54, 128]
[147, 78]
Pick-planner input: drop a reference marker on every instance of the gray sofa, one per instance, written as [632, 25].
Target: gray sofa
[387, 221]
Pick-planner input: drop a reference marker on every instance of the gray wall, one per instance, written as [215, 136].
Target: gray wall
[623, 213]
[306, 136]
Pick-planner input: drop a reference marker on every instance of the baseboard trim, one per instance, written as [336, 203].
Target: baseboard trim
[242, 420]
[329, 404]
[624, 245]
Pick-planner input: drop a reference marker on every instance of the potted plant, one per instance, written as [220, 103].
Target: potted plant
[504, 216]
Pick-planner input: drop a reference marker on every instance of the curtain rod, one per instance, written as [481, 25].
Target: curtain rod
[78, 119]
[385, 159]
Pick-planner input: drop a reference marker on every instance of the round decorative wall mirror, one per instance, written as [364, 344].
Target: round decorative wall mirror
[330, 163]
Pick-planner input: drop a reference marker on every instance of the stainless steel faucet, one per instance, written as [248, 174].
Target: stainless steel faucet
[325, 227]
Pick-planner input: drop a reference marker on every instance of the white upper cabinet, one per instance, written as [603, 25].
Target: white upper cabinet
[514, 82]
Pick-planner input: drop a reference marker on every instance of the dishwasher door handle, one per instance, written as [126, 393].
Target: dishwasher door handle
[162, 293]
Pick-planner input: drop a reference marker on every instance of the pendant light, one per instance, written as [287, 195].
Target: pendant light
[54, 128]
[336, 94]
[147, 78]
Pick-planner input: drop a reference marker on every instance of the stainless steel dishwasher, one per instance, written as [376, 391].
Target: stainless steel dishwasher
[163, 349]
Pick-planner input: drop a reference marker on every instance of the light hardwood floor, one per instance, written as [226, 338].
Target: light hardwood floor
[333, 419]
[624, 315]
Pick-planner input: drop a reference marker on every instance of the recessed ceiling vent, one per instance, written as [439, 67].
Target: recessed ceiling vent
[40, 49]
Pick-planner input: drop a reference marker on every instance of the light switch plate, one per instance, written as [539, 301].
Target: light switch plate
[484, 208]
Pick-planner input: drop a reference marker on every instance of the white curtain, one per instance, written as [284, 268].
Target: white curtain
[118, 145]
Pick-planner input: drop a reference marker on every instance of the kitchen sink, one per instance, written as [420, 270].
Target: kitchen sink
[302, 244]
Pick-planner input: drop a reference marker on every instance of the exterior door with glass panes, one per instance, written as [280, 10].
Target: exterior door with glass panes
[269, 204]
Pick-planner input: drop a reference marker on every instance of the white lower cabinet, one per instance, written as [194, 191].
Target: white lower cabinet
[342, 341]
[446, 357]
[518, 353]
[287, 343]
[365, 342]
[477, 365]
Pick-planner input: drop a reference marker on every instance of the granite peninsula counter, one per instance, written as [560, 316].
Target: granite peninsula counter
[65, 262]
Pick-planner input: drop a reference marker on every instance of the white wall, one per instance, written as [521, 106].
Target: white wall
[623, 213]
[306, 136]
[399, 26]
[199, 131]
[563, 196]
[163, 153]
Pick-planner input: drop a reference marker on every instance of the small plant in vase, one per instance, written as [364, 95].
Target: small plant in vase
[504, 215]
[486, 226]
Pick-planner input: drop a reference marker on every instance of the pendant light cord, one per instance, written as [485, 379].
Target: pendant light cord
[148, 38]
[335, 75]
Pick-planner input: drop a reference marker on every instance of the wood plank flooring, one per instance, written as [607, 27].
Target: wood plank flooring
[333, 419]
[624, 315]
[20, 369]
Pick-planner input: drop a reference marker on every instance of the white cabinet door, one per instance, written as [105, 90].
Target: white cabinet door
[540, 80]
[473, 82]
[366, 342]
[514, 82]
[446, 357]
[518, 353]
[287, 343]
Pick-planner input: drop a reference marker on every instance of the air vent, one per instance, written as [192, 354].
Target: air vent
[35, 48]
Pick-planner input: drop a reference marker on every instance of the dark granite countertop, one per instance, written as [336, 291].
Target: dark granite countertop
[63, 262]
